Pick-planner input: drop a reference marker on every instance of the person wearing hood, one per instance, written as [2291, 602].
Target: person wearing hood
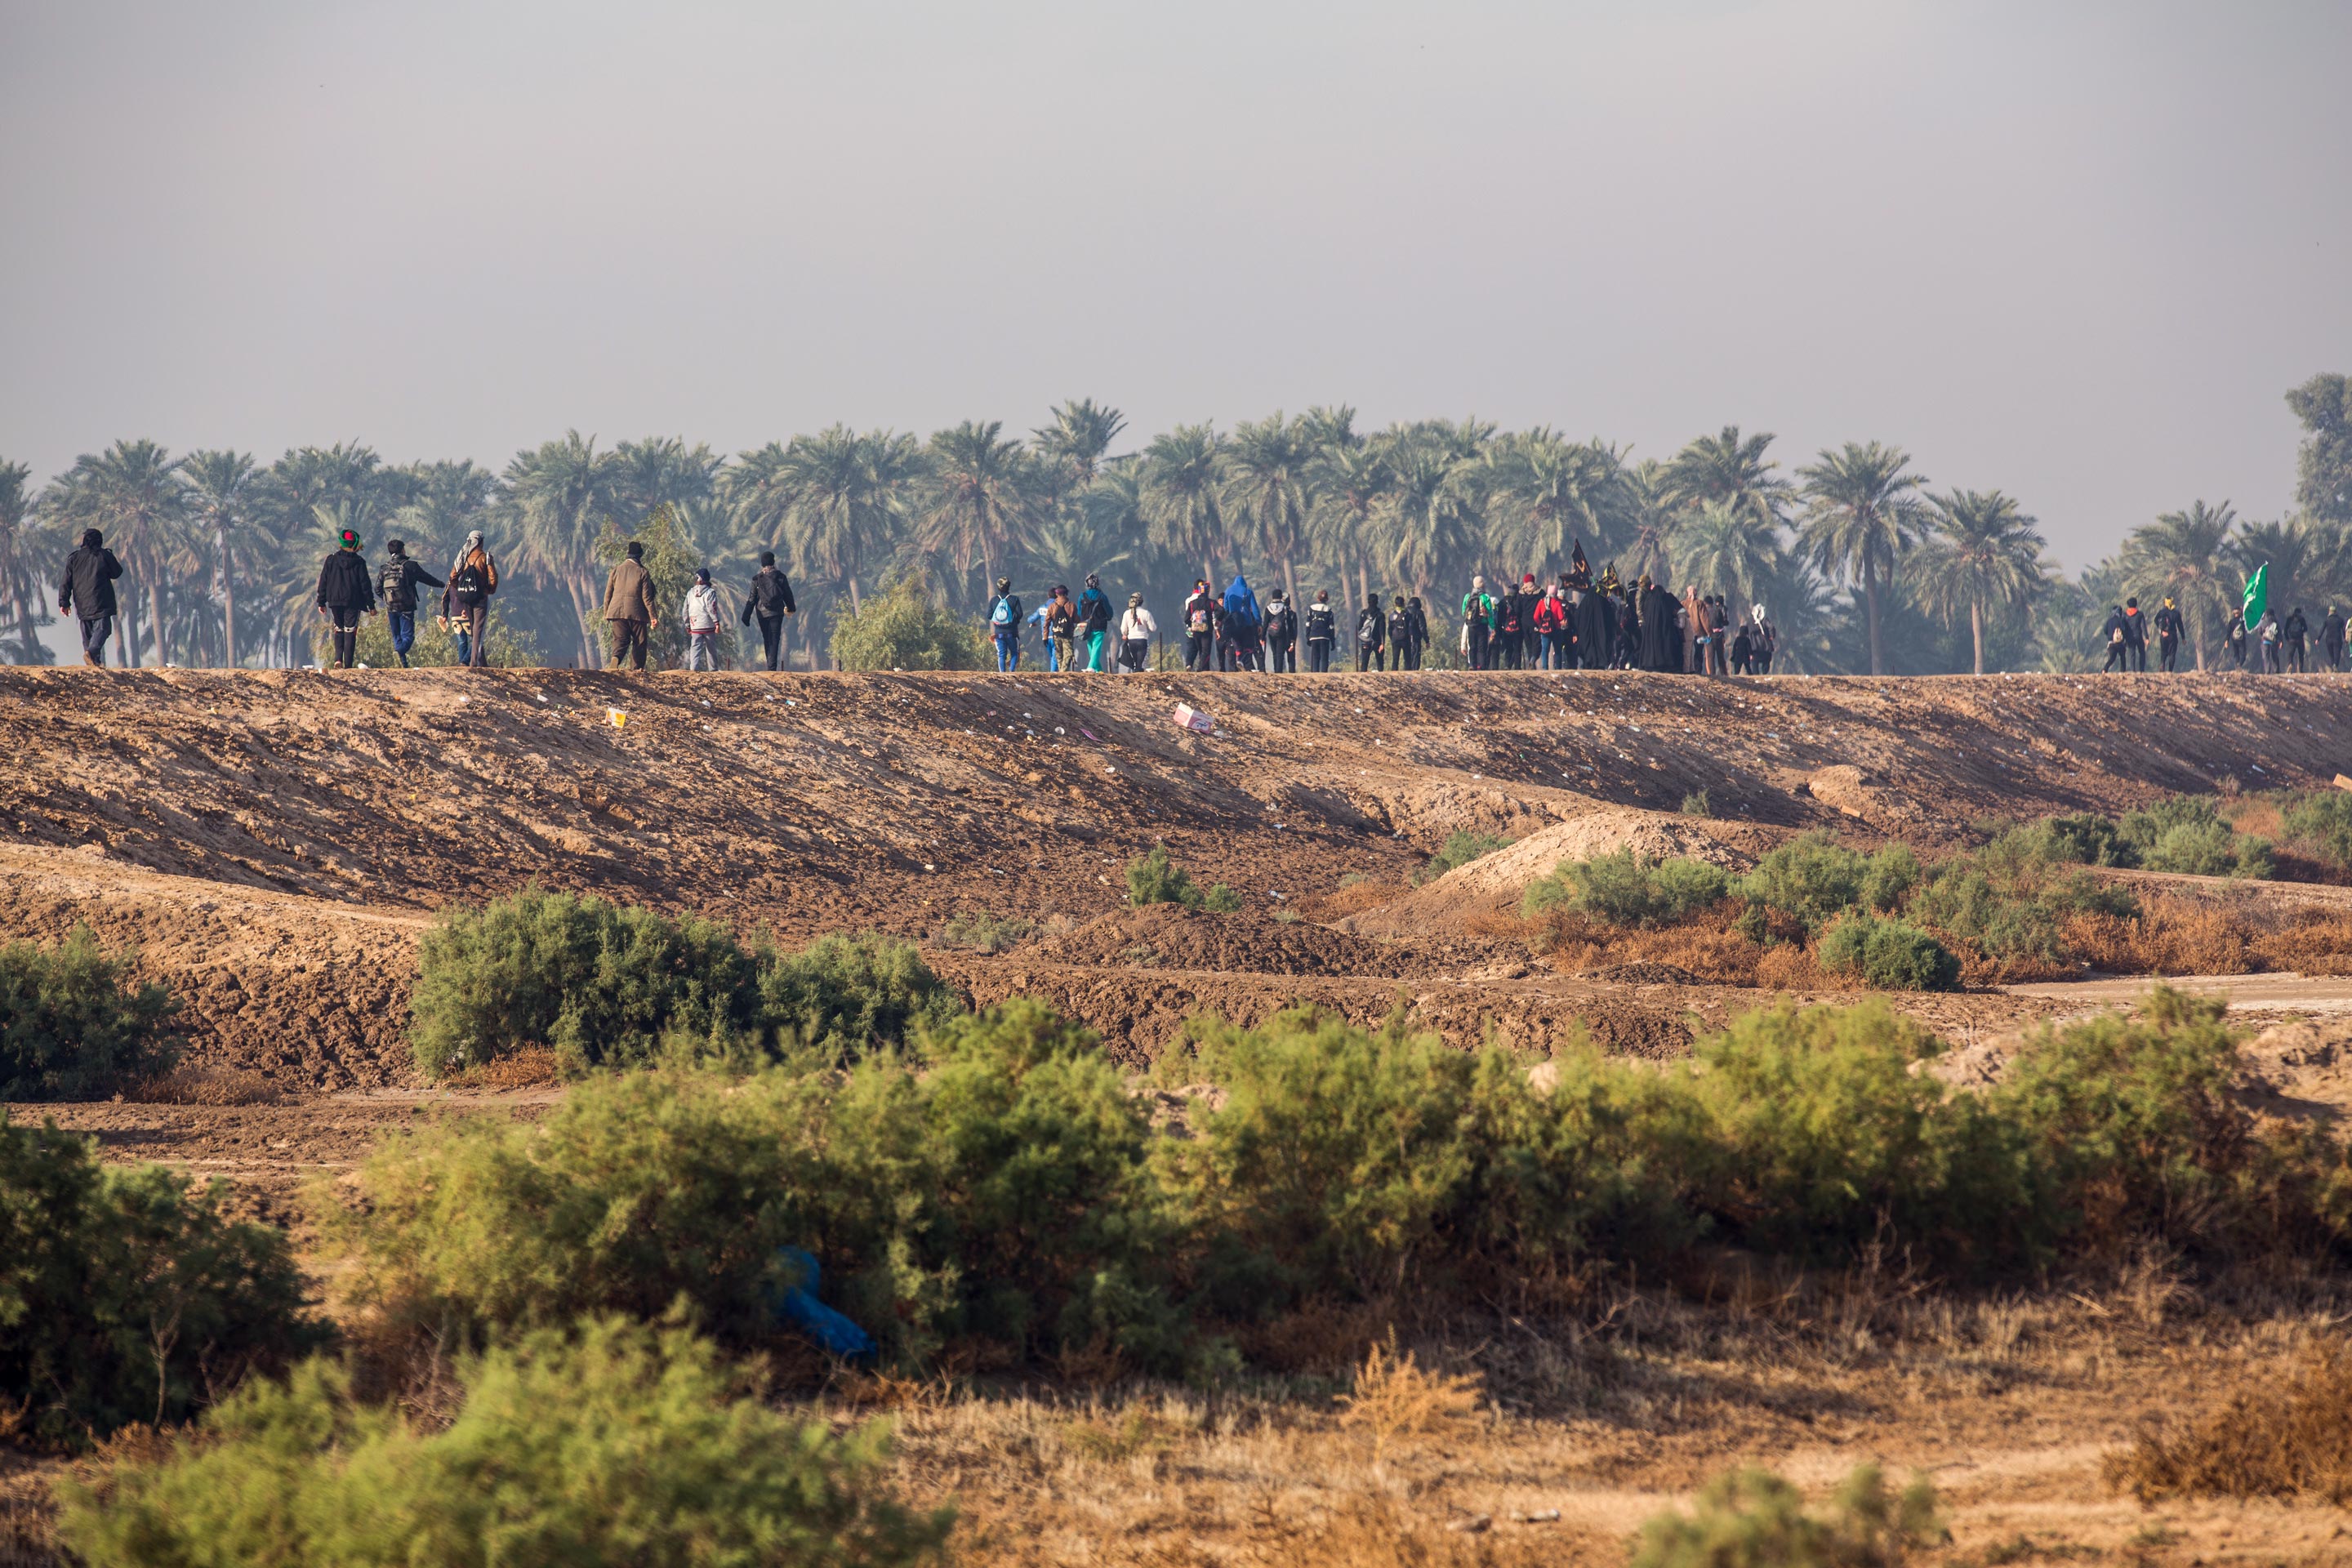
[629, 607]
[770, 597]
[703, 615]
[1371, 637]
[344, 595]
[87, 593]
[1243, 625]
[2233, 639]
[1200, 625]
[1319, 630]
[395, 588]
[1136, 630]
[1282, 633]
[1477, 608]
[2296, 632]
[1004, 625]
[1549, 621]
[1763, 638]
[2136, 636]
[2167, 624]
[1094, 621]
[472, 580]
[2331, 639]
[1402, 652]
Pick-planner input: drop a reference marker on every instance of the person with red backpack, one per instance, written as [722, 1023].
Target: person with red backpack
[1550, 622]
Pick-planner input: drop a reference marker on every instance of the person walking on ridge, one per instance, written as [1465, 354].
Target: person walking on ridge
[87, 593]
[770, 597]
[1371, 637]
[1094, 621]
[2331, 639]
[472, 581]
[1200, 625]
[703, 615]
[1319, 631]
[1282, 633]
[344, 595]
[1004, 625]
[395, 589]
[2167, 624]
[1136, 630]
[629, 606]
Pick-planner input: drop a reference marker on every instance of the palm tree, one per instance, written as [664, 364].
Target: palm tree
[19, 577]
[1073, 447]
[1183, 474]
[1722, 549]
[2182, 556]
[978, 499]
[1863, 510]
[131, 492]
[218, 484]
[1988, 553]
[1427, 515]
[842, 500]
[1351, 478]
[1269, 487]
[1649, 518]
[658, 471]
[1733, 471]
[562, 492]
[1551, 493]
[446, 501]
[2306, 555]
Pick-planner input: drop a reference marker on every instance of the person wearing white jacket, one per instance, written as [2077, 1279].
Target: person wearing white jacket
[1136, 630]
[703, 617]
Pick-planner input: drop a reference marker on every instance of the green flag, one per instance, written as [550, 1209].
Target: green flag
[2258, 595]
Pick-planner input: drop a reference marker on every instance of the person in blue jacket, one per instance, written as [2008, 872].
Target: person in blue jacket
[1244, 626]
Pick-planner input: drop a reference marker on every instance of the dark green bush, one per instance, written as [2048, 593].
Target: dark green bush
[907, 629]
[2012, 904]
[2083, 839]
[607, 984]
[1753, 1519]
[1153, 879]
[1889, 954]
[73, 1025]
[1815, 878]
[1820, 1135]
[1624, 888]
[1459, 849]
[2185, 834]
[618, 1444]
[2324, 820]
[125, 1297]
[1000, 1191]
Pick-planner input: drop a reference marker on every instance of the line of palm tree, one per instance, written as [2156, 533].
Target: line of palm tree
[842, 500]
[1987, 554]
[19, 577]
[1183, 476]
[1863, 510]
[977, 503]
[559, 495]
[1270, 481]
[219, 484]
[131, 494]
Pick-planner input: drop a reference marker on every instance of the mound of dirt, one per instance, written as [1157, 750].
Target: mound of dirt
[1170, 936]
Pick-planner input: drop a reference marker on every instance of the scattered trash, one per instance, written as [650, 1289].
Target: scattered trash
[1089, 734]
[929, 867]
[614, 714]
[1191, 717]
[797, 1305]
[2343, 783]
[1476, 1524]
[1546, 1516]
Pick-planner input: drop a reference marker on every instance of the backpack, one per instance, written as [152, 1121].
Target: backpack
[1003, 614]
[389, 577]
[466, 583]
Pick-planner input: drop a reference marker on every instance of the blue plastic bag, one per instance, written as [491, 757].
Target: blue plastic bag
[798, 1305]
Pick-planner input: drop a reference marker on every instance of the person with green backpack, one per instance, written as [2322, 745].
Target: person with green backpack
[1479, 614]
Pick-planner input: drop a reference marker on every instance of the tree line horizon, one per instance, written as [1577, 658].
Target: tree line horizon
[1863, 565]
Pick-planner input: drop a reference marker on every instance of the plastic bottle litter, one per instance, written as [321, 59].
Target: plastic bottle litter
[614, 714]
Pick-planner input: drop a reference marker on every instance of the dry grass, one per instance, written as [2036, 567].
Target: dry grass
[1395, 1397]
[189, 1084]
[2169, 936]
[533, 1067]
[2308, 941]
[2287, 1435]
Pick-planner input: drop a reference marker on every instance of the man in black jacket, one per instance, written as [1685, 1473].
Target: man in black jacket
[1282, 633]
[2331, 638]
[2166, 626]
[1319, 631]
[770, 597]
[344, 595]
[88, 590]
[2296, 632]
[396, 585]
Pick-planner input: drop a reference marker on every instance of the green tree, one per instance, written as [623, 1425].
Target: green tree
[843, 498]
[2183, 556]
[1270, 472]
[977, 502]
[561, 493]
[1071, 448]
[130, 492]
[1353, 480]
[1863, 510]
[219, 485]
[1427, 516]
[1723, 549]
[1732, 471]
[1988, 555]
[640, 476]
[2306, 555]
[2323, 466]
[1183, 481]
[1548, 493]
[20, 571]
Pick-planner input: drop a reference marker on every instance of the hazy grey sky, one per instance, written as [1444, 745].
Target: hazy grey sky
[2073, 251]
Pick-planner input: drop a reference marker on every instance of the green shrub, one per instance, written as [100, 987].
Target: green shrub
[984, 932]
[2324, 820]
[1001, 1191]
[607, 984]
[2143, 827]
[596, 981]
[1695, 804]
[1812, 877]
[2011, 905]
[906, 628]
[1753, 1519]
[72, 1024]
[1889, 954]
[2207, 850]
[1624, 888]
[843, 994]
[2085, 838]
[1820, 1134]
[1459, 849]
[1154, 878]
[125, 1297]
[618, 1444]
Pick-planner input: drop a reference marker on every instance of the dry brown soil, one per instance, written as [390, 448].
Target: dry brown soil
[273, 844]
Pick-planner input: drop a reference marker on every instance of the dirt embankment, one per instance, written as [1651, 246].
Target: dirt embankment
[273, 842]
